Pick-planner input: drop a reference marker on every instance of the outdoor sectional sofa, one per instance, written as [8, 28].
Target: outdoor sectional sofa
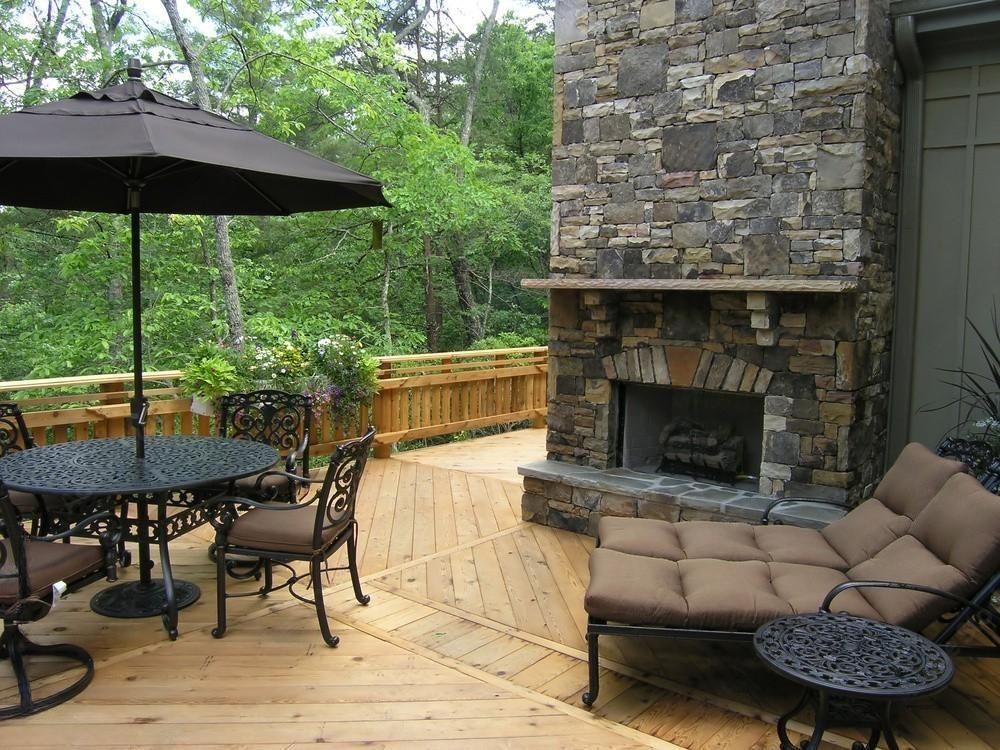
[929, 526]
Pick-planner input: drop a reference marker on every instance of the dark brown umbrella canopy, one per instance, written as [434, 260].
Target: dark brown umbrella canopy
[129, 149]
[79, 153]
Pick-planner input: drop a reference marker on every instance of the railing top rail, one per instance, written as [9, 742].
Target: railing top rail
[66, 382]
[456, 357]
[460, 355]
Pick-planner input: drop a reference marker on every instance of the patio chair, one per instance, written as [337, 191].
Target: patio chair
[307, 531]
[929, 527]
[14, 436]
[280, 419]
[34, 572]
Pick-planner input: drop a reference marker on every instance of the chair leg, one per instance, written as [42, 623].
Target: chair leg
[594, 669]
[220, 594]
[316, 572]
[352, 564]
[16, 646]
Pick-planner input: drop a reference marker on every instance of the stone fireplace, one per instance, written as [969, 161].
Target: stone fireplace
[723, 219]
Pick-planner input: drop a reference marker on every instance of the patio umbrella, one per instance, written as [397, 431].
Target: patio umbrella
[130, 149]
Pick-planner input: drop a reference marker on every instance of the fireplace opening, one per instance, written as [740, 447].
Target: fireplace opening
[698, 433]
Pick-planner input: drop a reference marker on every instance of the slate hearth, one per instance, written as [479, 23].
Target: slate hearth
[575, 497]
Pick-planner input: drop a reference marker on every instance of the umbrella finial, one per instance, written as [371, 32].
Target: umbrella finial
[134, 69]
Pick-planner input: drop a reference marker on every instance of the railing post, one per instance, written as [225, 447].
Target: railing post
[380, 409]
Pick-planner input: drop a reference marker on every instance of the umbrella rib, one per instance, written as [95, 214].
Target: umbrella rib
[259, 192]
[112, 168]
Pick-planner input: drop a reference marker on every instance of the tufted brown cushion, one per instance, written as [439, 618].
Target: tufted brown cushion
[961, 526]
[915, 477]
[690, 540]
[737, 576]
[281, 531]
[907, 487]
[49, 562]
[706, 593]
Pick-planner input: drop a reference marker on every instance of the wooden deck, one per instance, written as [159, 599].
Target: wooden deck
[473, 638]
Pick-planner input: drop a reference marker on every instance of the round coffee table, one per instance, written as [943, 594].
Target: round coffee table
[852, 668]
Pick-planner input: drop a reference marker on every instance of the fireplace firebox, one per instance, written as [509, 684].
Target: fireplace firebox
[704, 434]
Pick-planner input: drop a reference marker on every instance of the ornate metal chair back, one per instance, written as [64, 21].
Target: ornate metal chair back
[339, 492]
[280, 419]
[13, 568]
[14, 435]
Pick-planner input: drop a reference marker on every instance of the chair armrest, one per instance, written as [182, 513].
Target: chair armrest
[81, 526]
[293, 458]
[848, 585]
[109, 534]
[766, 518]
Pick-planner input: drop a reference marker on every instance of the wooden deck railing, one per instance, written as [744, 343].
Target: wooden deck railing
[420, 395]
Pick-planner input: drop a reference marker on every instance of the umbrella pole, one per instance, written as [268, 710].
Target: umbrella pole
[140, 404]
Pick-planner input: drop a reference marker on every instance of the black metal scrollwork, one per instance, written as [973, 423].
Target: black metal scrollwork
[851, 655]
[109, 467]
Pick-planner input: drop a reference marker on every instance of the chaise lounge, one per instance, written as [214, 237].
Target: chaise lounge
[929, 526]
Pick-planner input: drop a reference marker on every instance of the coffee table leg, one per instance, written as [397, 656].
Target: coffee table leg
[786, 743]
[822, 705]
[890, 738]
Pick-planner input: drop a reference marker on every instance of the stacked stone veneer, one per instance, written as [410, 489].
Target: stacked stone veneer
[730, 139]
[724, 139]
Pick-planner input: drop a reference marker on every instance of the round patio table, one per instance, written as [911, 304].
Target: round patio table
[854, 669]
[110, 468]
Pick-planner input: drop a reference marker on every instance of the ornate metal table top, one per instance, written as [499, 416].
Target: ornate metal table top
[853, 656]
[109, 466]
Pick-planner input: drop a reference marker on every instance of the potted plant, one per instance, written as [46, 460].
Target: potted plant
[345, 376]
[281, 366]
[207, 379]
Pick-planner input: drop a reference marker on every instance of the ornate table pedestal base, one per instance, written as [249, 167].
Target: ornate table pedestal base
[138, 599]
[840, 711]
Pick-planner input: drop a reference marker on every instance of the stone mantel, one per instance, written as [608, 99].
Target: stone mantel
[791, 286]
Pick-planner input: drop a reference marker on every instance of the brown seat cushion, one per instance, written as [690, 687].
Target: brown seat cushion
[715, 594]
[288, 531]
[25, 503]
[273, 485]
[49, 562]
[691, 540]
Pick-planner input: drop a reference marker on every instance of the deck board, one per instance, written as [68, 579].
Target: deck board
[474, 638]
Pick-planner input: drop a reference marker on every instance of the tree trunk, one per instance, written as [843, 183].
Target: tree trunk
[466, 299]
[230, 292]
[224, 257]
[432, 321]
[48, 35]
[377, 244]
[477, 74]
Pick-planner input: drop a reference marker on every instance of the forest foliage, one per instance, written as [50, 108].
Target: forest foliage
[454, 118]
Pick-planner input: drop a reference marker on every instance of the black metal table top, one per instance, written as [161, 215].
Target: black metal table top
[853, 656]
[109, 466]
